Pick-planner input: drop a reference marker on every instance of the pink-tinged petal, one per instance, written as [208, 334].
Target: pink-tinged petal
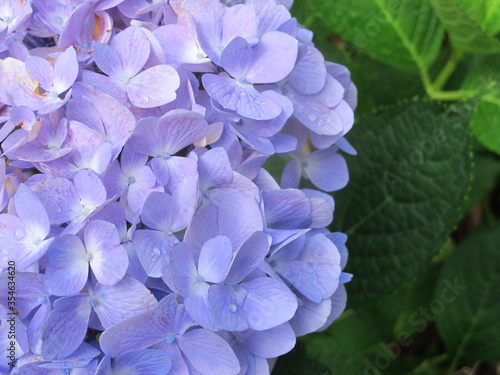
[132, 45]
[65, 70]
[108, 85]
[275, 49]
[152, 248]
[31, 211]
[268, 303]
[127, 298]
[60, 199]
[108, 60]
[309, 74]
[69, 280]
[215, 259]
[249, 256]
[270, 343]
[65, 329]
[153, 87]
[326, 169]
[136, 332]
[242, 98]
[208, 352]
[41, 71]
[109, 259]
[311, 316]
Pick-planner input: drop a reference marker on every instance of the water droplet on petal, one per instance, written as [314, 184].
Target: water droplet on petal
[156, 252]
[145, 99]
[5, 259]
[312, 117]
[20, 233]
[231, 307]
[5, 252]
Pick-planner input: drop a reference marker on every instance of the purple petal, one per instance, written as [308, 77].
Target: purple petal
[147, 361]
[208, 352]
[270, 343]
[90, 188]
[268, 303]
[309, 74]
[31, 211]
[277, 50]
[65, 70]
[109, 85]
[326, 169]
[60, 199]
[133, 48]
[127, 298]
[182, 270]
[136, 332]
[249, 256]
[215, 258]
[311, 316]
[153, 87]
[107, 59]
[152, 248]
[65, 327]
[109, 259]
[242, 98]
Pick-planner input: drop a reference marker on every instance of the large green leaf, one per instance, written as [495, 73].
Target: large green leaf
[465, 32]
[483, 78]
[404, 34]
[469, 290]
[485, 12]
[411, 174]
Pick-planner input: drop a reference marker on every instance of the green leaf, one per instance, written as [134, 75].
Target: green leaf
[485, 12]
[469, 288]
[485, 123]
[418, 295]
[298, 362]
[411, 174]
[486, 174]
[465, 32]
[404, 34]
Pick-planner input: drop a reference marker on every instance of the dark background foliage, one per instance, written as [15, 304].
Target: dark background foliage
[422, 207]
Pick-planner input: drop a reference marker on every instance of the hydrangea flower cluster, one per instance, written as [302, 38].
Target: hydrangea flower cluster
[146, 234]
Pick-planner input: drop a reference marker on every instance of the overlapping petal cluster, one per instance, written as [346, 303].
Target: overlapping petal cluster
[147, 235]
